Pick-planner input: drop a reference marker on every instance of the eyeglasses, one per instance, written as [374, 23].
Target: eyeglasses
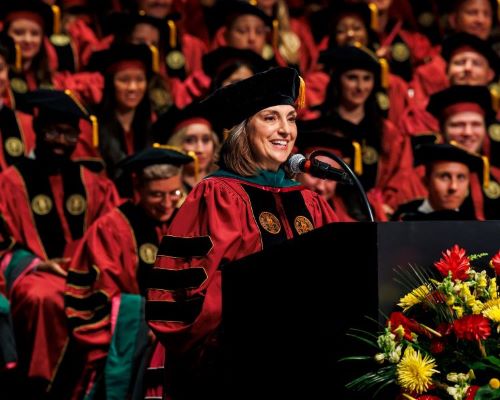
[69, 136]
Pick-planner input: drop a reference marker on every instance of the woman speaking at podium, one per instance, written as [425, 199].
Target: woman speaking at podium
[248, 205]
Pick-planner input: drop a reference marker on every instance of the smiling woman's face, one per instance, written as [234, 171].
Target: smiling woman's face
[272, 133]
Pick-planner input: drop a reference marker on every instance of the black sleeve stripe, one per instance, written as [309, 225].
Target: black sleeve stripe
[82, 279]
[87, 303]
[171, 279]
[181, 311]
[99, 315]
[185, 247]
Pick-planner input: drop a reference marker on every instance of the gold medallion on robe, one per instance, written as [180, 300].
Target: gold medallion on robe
[494, 132]
[175, 59]
[14, 146]
[59, 39]
[426, 19]
[41, 204]
[302, 225]
[400, 52]
[269, 222]
[76, 204]
[370, 155]
[492, 191]
[147, 253]
[18, 85]
[267, 52]
[383, 101]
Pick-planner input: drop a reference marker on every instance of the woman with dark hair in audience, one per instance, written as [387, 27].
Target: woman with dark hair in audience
[124, 113]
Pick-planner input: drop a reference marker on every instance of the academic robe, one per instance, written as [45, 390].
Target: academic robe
[114, 257]
[428, 79]
[224, 218]
[410, 212]
[49, 215]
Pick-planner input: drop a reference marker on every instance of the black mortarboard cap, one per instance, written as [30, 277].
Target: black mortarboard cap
[462, 39]
[9, 51]
[39, 9]
[104, 61]
[234, 8]
[121, 24]
[154, 156]
[169, 122]
[224, 57]
[232, 104]
[460, 94]
[363, 10]
[431, 152]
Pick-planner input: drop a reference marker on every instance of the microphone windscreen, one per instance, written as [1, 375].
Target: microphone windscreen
[294, 163]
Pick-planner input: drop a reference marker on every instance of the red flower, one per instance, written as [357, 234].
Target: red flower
[495, 263]
[454, 260]
[409, 325]
[437, 346]
[471, 392]
[428, 397]
[472, 327]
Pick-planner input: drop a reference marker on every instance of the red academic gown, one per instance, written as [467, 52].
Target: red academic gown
[428, 79]
[223, 219]
[114, 257]
[49, 215]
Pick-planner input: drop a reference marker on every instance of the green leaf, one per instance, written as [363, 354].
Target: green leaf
[487, 393]
[355, 358]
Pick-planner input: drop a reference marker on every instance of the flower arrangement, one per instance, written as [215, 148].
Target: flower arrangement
[445, 341]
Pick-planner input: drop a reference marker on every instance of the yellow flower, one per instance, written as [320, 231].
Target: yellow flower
[459, 311]
[494, 383]
[414, 372]
[414, 297]
[491, 310]
[492, 288]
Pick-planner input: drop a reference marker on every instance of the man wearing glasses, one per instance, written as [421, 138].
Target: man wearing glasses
[50, 201]
[109, 273]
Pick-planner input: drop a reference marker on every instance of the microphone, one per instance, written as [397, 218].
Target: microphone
[298, 163]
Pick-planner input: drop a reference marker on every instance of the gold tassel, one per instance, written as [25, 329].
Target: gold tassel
[172, 34]
[301, 98]
[358, 160]
[155, 56]
[95, 130]
[486, 172]
[253, 3]
[192, 154]
[56, 25]
[384, 73]
[373, 16]
[276, 33]
[498, 10]
[495, 97]
[19, 58]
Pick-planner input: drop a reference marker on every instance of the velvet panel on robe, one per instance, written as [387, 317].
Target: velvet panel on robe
[223, 219]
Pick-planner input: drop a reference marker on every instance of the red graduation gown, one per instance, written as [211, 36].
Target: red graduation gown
[223, 219]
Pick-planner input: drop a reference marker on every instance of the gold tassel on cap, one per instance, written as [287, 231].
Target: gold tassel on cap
[19, 58]
[56, 25]
[495, 96]
[373, 16]
[253, 2]
[486, 172]
[95, 130]
[155, 59]
[276, 33]
[172, 38]
[301, 98]
[192, 154]
[384, 73]
[358, 161]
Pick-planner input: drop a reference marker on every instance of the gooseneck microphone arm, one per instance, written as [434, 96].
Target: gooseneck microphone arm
[353, 176]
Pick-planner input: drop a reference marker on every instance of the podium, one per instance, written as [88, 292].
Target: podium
[286, 309]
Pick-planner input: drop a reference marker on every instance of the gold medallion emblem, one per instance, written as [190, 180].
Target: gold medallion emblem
[59, 39]
[383, 101]
[267, 52]
[41, 204]
[302, 225]
[400, 52]
[269, 222]
[175, 59]
[492, 191]
[426, 19]
[18, 85]
[494, 132]
[14, 146]
[76, 204]
[147, 253]
[160, 98]
[370, 155]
